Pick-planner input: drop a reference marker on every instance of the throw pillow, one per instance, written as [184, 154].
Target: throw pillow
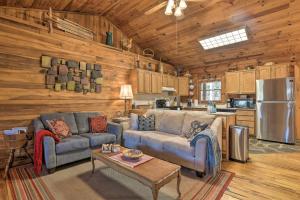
[59, 128]
[146, 123]
[98, 124]
[196, 127]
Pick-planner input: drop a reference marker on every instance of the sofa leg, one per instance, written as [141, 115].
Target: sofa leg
[50, 171]
[200, 174]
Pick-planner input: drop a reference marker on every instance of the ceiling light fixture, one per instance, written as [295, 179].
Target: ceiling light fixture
[178, 5]
[224, 39]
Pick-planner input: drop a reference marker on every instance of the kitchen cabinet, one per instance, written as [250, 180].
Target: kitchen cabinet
[147, 82]
[183, 86]
[165, 80]
[246, 118]
[140, 81]
[263, 72]
[247, 82]
[280, 71]
[232, 85]
[156, 82]
[273, 71]
[240, 82]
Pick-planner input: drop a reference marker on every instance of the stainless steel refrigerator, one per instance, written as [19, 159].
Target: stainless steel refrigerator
[275, 110]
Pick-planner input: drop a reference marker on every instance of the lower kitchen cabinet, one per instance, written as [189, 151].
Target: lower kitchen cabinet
[246, 118]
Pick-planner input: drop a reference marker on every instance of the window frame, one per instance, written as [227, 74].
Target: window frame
[208, 81]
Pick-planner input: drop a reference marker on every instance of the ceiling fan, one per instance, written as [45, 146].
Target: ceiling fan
[178, 5]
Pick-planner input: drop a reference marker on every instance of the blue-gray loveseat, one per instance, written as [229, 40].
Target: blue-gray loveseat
[79, 145]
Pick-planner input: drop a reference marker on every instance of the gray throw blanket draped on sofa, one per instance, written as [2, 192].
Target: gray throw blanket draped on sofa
[213, 154]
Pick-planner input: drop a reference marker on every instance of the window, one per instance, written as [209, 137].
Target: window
[224, 39]
[210, 91]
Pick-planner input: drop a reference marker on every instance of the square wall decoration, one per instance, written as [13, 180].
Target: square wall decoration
[71, 75]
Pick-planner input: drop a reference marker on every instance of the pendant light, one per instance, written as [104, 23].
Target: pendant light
[178, 12]
[179, 6]
[168, 10]
[182, 4]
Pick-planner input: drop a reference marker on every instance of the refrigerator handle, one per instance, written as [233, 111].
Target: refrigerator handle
[292, 89]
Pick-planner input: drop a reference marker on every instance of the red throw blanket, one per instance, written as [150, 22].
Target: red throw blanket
[38, 148]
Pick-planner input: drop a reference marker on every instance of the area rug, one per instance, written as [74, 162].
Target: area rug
[77, 182]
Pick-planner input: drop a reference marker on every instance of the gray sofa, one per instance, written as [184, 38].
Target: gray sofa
[79, 145]
[167, 142]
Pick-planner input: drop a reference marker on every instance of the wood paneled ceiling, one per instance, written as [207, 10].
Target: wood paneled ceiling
[274, 27]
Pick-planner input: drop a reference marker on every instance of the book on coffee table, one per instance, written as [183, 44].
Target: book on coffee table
[131, 163]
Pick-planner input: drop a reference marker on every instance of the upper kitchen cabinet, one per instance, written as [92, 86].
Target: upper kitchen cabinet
[232, 82]
[165, 80]
[247, 82]
[141, 81]
[263, 72]
[137, 79]
[156, 82]
[280, 71]
[240, 82]
[147, 82]
[273, 71]
[183, 86]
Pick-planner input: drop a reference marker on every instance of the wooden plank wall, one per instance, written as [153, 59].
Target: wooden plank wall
[23, 96]
[98, 24]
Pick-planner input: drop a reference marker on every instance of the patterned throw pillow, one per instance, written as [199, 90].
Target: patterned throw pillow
[98, 124]
[59, 128]
[196, 127]
[146, 123]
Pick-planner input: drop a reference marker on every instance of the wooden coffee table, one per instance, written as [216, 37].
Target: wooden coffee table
[154, 173]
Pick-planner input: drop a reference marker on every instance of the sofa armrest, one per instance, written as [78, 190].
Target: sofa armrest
[38, 125]
[200, 154]
[49, 152]
[115, 129]
[217, 127]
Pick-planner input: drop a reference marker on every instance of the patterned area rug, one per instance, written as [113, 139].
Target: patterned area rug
[263, 147]
[77, 182]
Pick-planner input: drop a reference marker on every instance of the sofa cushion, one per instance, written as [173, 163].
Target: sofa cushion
[158, 114]
[155, 139]
[97, 139]
[171, 122]
[195, 116]
[72, 143]
[67, 117]
[179, 146]
[132, 138]
[82, 120]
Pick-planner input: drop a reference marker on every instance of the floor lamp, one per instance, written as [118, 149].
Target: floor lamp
[126, 93]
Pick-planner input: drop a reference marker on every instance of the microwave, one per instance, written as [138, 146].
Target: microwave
[242, 103]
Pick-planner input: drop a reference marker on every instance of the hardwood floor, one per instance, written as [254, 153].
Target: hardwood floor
[265, 176]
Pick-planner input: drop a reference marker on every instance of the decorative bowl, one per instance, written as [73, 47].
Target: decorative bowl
[132, 154]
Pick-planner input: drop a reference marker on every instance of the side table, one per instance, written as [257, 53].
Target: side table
[14, 142]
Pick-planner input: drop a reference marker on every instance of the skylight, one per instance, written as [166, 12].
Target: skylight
[224, 39]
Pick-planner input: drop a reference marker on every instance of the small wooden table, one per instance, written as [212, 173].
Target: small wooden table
[154, 173]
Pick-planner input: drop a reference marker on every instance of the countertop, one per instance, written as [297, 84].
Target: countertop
[203, 108]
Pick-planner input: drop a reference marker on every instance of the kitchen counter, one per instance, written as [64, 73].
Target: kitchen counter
[223, 113]
[202, 108]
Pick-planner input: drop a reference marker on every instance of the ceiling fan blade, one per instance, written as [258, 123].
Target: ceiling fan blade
[156, 8]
